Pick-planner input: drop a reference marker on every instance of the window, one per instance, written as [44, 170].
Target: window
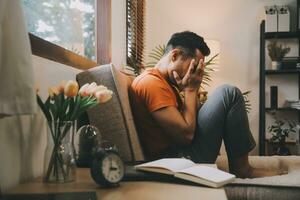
[67, 23]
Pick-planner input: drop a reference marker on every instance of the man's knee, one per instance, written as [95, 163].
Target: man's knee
[230, 91]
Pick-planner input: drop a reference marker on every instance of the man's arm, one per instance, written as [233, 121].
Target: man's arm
[181, 126]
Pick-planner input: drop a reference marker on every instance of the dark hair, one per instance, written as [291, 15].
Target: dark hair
[187, 42]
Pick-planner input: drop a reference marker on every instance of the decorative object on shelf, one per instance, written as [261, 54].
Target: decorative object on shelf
[61, 109]
[87, 139]
[292, 104]
[276, 53]
[283, 18]
[247, 101]
[290, 63]
[274, 97]
[271, 19]
[277, 18]
[280, 131]
[107, 167]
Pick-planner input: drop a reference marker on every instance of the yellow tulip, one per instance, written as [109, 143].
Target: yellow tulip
[53, 91]
[37, 89]
[61, 86]
[103, 96]
[71, 88]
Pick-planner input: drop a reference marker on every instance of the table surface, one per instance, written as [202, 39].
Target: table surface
[127, 190]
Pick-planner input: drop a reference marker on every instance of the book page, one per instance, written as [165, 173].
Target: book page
[207, 173]
[172, 164]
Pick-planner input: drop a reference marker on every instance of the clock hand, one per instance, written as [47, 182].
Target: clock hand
[111, 162]
[113, 168]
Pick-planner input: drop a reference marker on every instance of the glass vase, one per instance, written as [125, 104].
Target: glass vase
[59, 163]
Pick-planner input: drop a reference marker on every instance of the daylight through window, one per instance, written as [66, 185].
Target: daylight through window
[67, 23]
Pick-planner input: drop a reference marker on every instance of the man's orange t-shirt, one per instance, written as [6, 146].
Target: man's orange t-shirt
[150, 92]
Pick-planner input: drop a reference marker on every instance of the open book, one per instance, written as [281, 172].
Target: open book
[182, 168]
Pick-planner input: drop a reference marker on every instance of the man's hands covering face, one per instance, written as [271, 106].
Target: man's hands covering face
[193, 78]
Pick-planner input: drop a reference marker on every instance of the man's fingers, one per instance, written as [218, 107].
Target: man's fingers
[176, 77]
[190, 70]
[201, 66]
[191, 67]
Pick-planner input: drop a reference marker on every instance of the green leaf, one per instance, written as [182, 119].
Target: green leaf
[60, 98]
[77, 104]
[53, 111]
[44, 107]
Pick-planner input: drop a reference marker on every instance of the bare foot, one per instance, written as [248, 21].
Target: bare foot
[242, 169]
[260, 172]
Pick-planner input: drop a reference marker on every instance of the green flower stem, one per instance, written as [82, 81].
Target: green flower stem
[56, 161]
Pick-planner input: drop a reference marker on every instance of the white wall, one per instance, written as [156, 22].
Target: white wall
[234, 23]
[118, 32]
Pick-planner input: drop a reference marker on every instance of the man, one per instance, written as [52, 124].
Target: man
[169, 127]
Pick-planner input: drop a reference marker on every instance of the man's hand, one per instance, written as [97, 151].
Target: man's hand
[193, 78]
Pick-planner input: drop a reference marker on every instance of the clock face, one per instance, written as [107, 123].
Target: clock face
[112, 168]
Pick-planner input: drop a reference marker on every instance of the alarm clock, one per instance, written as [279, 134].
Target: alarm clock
[107, 168]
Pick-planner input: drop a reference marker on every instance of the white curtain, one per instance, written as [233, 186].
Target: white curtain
[17, 93]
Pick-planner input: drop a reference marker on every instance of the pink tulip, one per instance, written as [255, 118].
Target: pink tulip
[71, 88]
[91, 88]
[83, 91]
[97, 89]
[103, 95]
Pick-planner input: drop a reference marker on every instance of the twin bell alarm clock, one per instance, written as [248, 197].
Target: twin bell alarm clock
[107, 168]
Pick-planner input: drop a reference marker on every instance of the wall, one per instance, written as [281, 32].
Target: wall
[118, 32]
[234, 23]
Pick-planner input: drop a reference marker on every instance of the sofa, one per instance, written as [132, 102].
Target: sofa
[115, 121]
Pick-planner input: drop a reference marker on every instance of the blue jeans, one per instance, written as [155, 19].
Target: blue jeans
[223, 116]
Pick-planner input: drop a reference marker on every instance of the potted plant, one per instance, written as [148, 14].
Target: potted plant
[280, 130]
[277, 53]
[63, 106]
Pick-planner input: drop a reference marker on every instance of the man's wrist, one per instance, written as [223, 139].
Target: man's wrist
[190, 89]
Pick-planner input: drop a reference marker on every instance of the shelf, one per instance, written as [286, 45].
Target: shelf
[265, 73]
[282, 71]
[282, 35]
[281, 109]
[288, 141]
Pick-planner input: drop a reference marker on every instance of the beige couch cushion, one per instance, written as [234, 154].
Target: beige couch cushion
[122, 82]
[114, 118]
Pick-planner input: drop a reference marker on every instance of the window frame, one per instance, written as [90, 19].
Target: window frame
[51, 51]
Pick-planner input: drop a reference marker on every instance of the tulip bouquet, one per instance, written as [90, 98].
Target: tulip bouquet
[64, 105]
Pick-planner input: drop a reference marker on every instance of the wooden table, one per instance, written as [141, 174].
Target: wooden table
[127, 190]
